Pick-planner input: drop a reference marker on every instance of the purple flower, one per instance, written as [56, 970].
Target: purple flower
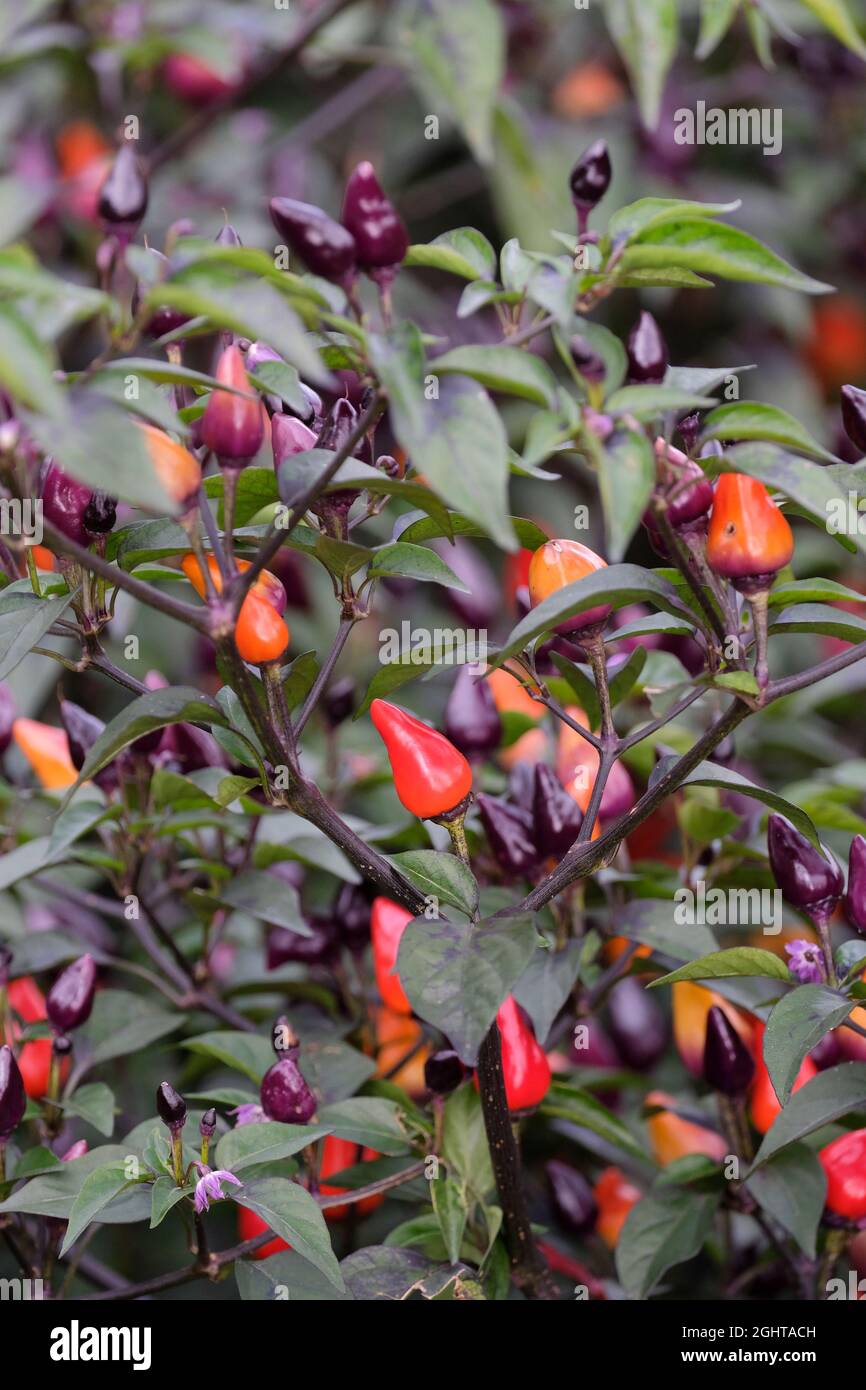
[249, 1114]
[208, 1188]
[806, 963]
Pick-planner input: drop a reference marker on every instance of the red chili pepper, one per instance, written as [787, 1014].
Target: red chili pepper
[338, 1154]
[34, 1059]
[524, 1063]
[844, 1162]
[615, 1197]
[431, 777]
[748, 535]
[387, 923]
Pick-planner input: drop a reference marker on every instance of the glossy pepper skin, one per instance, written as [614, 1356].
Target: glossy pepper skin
[672, 1137]
[337, 1155]
[123, 196]
[509, 830]
[854, 416]
[261, 636]
[472, 721]
[524, 1063]
[749, 537]
[100, 514]
[808, 877]
[615, 1197]
[572, 1197]
[65, 503]
[728, 1064]
[590, 178]
[13, 1099]
[232, 425]
[691, 1007]
[290, 436]
[34, 1059]
[558, 563]
[381, 239]
[388, 921]
[175, 467]
[47, 751]
[70, 998]
[431, 776]
[647, 351]
[636, 1024]
[319, 947]
[844, 1162]
[170, 1106]
[444, 1072]
[266, 585]
[326, 248]
[556, 816]
[855, 896]
[285, 1095]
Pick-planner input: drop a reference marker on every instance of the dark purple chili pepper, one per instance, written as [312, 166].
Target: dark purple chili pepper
[381, 239]
[807, 876]
[325, 247]
[13, 1100]
[70, 999]
[472, 721]
[443, 1073]
[123, 196]
[557, 816]
[728, 1064]
[637, 1024]
[509, 831]
[572, 1197]
[647, 351]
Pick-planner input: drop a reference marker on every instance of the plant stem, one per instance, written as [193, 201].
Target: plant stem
[315, 691]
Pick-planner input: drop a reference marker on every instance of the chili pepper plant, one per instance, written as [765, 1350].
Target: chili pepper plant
[434, 861]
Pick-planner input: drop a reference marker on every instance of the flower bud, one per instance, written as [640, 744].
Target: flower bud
[290, 436]
[123, 196]
[807, 876]
[572, 1197]
[509, 831]
[855, 897]
[728, 1064]
[285, 1095]
[171, 1106]
[207, 1125]
[472, 720]
[444, 1072]
[854, 416]
[228, 236]
[637, 1024]
[232, 425]
[689, 428]
[647, 351]
[556, 815]
[70, 998]
[381, 239]
[590, 177]
[13, 1101]
[326, 248]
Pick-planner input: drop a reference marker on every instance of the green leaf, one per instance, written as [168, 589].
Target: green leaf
[95, 1105]
[165, 1194]
[546, 984]
[817, 617]
[21, 202]
[751, 420]
[712, 775]
[661, 1232]
[839, 1091]
[267, 1142]
[629, 222]
[122, 1023]
[244, 1052]
[646, 402]
[269, 1280]
[292, 1213]
[812, 591]
[414, 562]
[98, 443]
[580, 1108]
[372, 1121]
[55, 1193]
[582, 685]
[178, 704]
[24, 621]
[100, 1188]
[451, 1214]
[457, 441]
[797, 1024]
[502, 369]
[458, 48]
[426, 528]
[26, 366]
[267, 898]
[464, 252]
[717, 16]
[737, 960]
[626, 475]
[835, 16]
[456, 974]
[715, 248]
[652, 923]
[383, 1273]
[646, 32]
[440, 875]
[389, 678]
[792, 1189]
[617, 585]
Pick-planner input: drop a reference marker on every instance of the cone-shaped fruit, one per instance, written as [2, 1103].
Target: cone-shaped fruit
[855, 896]
[509, 830]
[615, 1197]
[691, 1006]
[47, 751]
[807, 876]
[647, 351]
[572, 1196]
[472, 720]
[556, 815]
[637, 1024]
[672, 1137]
[261, 636]
[65, 502]
[590, 177]
[13, 1099]
[285, 1095]
[381, 240]
[170, 1105]
[854, 416]
[524, 1063]
[70, 998]
[326, 248]
[123, 196]
[175, 467]
[431, 776]
[728, 1064]
[444, 1072]
[748, 535]
[388, 921]
[844, 1162]
[558, 563]
[232, 425]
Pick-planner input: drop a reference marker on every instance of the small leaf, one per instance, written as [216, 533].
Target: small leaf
[458, 51]
[414, 562]
[246, 1145]
[158, 708]
[626, 476]
[502, 369]
[646, 32]
[738, 960]
[797, 1024]
[441, 876]
[293, 1214]
[835, 16]
[576, 1105]
[715, 248]
[717, 16]
[100, 1188]
[464, 252]
[165, 1194]
[793, 1189]
[660, 1232]
[24, 621]
[739, 420]
[839, 1091]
